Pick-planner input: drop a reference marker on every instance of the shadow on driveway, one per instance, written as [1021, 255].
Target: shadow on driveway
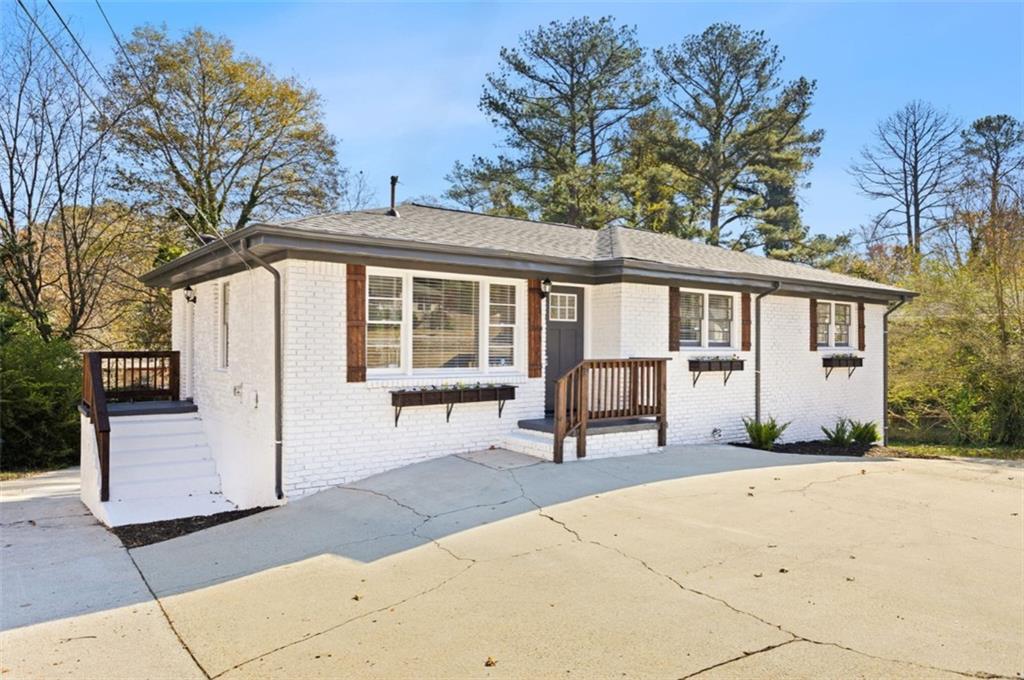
[408, 507]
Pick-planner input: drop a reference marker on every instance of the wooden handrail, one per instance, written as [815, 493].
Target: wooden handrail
[609, 389]
[94, 397]
[124, 376]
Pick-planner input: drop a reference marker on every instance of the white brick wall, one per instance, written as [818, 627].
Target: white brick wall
[336, 432]
[236, 403]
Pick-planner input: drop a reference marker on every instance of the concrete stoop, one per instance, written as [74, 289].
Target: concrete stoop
[161, 468]
[599, 444]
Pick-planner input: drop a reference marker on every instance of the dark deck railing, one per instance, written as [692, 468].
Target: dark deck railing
[609, 389]
[123, 376]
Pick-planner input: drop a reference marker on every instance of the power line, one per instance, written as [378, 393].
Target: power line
[142, 84]
[81, 49]
[56, 52]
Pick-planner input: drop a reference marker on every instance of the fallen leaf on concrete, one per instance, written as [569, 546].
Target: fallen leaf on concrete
[758, 575]
[863, 472]
[772, 545]
[490, 662]
[783, 571]
[749, 494]
[356, 598]
[850, 579]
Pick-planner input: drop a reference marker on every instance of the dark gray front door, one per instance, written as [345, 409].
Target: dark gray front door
[564, 336]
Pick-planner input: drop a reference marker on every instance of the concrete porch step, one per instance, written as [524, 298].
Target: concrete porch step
[142, 510]
[134, 426]
[200, 485]
[166, 469]
[143, 441]
[159, 455]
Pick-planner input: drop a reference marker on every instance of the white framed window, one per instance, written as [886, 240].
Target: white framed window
[834, 321]
[562, 307]
[719, 321]
[691, 319]
[842, 331]
[425, 323]
[824, 317]
[501, 326]
[225, 324]
[384, 322]
[706, 319]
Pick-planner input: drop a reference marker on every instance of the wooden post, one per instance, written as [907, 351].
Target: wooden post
[103, 444]
[663, 402]
[175, 377]
[584, 408]
[559, 419]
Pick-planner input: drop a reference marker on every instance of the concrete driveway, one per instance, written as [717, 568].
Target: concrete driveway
[700, 560]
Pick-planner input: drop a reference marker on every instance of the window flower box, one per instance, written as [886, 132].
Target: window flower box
[725, 365]
[449, 395]
[842, 361]
[702, 365]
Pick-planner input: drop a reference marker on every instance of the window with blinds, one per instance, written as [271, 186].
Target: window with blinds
[842, 332]
[824, 318]
[691, 319]
[383, 322]
[719, 320]
[445, 323]
[501, 325]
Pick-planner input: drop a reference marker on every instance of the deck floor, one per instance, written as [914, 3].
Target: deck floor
[594, 427]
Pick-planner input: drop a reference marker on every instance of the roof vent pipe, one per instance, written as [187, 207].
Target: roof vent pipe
[394, 182]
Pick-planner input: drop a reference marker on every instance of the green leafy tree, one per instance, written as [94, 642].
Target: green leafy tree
[40, 385]
[213, 139]
[745, 145]
[562, 98]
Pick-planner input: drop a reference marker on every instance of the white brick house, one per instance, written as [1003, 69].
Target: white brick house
[375, 302]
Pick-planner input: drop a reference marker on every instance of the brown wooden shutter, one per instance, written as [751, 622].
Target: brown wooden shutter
[533, 307]
[814, 325]
[745, 322]
[860, 326]
[674, 322]
[355, 300]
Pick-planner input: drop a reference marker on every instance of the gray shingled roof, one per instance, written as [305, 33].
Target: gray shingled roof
[456, 228]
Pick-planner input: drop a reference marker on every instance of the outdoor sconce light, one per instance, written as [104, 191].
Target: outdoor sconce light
[545, 288]
[190, 295]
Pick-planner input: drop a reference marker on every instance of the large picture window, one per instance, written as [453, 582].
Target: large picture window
[430, 324]
[445, 323]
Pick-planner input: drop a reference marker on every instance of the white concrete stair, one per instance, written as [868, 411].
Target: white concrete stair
[532, 443]
[161, 468]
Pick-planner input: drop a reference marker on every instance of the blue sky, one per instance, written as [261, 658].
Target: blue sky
[401, 81]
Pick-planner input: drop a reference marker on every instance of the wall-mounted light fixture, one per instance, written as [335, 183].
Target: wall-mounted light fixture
[545, 288]
[190, 295]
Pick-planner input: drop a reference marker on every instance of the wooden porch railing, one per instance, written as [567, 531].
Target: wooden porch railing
[123, 376]
[609, 389]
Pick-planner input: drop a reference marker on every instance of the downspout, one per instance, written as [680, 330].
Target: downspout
[757, 348]
[278, 362]
[885, 369]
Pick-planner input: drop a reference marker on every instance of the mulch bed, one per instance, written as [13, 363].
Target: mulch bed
[824, 448]
[138, 535]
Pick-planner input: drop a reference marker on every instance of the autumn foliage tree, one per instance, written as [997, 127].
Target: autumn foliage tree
[212, 139]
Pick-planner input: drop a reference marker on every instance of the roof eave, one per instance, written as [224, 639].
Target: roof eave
[270, 240]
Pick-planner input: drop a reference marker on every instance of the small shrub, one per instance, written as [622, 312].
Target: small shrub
[40, 386]
[764, 434]
[864, 433]
[840, 435]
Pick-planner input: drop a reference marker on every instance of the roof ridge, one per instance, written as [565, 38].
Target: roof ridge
[503, 217]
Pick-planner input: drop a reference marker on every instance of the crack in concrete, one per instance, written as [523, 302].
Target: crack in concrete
[167, 617]
[310, 636]
[795, 637]
[744, 655]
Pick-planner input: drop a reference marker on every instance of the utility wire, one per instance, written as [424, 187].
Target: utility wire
[56, 52]
[142, 84]
[81, 49]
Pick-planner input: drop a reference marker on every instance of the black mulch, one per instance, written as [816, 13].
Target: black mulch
[821, 448]
[138, 535]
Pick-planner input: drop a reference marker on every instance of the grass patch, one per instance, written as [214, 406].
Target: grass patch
[918, 450]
